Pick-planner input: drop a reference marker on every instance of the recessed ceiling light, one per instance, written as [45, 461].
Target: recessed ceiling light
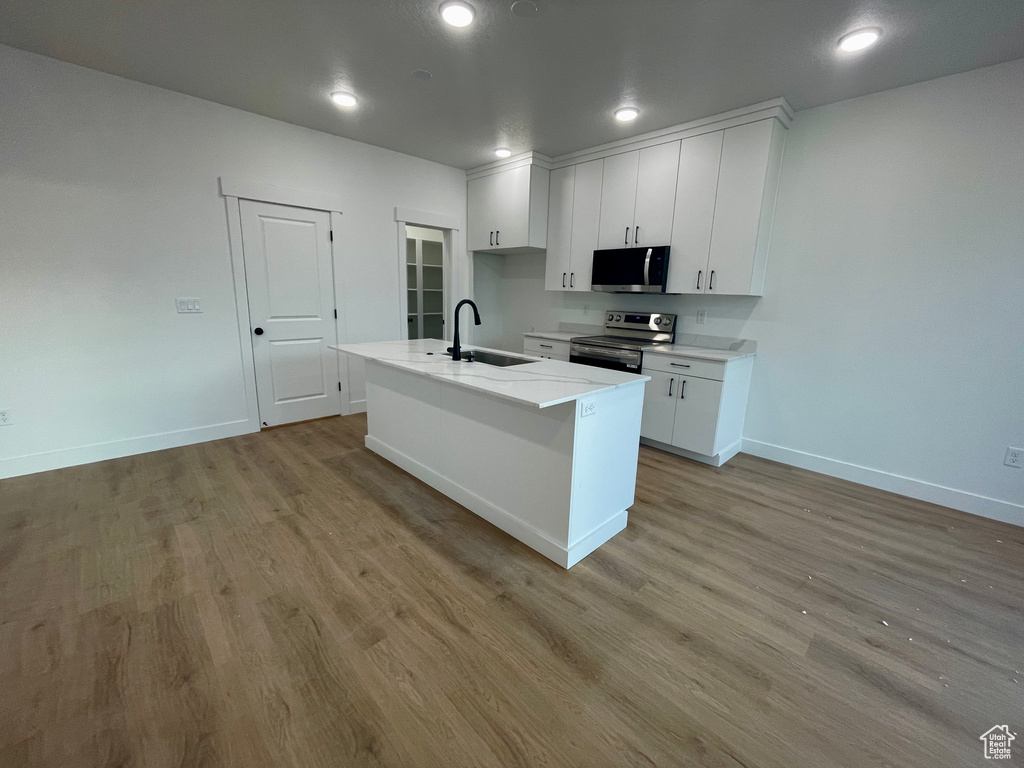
[502, 152]
[525, 9]
[343, 99]
[457, 13]
[859, 40]
[626, 114]
[421, 74]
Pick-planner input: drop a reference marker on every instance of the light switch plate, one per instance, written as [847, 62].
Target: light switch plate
[702, 316]
[188, 306]
[588, 408]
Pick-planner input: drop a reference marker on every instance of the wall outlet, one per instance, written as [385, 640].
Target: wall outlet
[188, 306]
[6, 417]
[1014, 456]
[586, 310]
[702, 316]
[588, 408]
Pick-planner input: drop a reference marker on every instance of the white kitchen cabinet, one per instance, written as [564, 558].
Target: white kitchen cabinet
[724, 209]
[552, 349]
[507, 210]
[659, 406]
[695, 407]
[574, 212]
[638, 197]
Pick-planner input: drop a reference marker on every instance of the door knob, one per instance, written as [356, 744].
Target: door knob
[258, 331]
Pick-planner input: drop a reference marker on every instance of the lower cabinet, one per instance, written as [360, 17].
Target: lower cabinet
[552, 349]
[694, 406]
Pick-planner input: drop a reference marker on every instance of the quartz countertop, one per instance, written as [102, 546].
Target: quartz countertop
[702, 353]
[541, 384]
[555, 335]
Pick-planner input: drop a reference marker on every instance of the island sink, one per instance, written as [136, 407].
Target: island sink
[493, 358]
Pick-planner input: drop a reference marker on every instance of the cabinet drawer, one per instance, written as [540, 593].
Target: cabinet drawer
[546, 347]
[684, 366]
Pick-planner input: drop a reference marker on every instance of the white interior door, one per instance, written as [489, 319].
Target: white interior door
[290, 281]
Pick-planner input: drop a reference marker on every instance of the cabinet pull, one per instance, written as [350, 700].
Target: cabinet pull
[492, 237]
[680, 365]
[547, 346]
[625, 240]
[497, 235]
[563, 279]
[572, 279]
[711, 281]
[670, 383]
[699, 273]
[636, 235]
[682, 389]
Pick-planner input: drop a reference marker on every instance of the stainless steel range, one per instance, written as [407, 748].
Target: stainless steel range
[626, 334]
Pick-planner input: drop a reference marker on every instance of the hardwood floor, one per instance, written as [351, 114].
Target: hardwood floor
[290, 599]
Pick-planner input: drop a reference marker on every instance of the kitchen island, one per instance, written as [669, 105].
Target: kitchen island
[546, 451]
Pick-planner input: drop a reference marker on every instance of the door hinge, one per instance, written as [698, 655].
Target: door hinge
[335, 314]
[332, 235]
[339, 386]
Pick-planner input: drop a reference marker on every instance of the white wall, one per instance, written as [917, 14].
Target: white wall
[889, 333]
[109, 208]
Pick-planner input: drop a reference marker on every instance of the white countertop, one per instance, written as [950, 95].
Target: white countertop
[541, 384]
[555, 335]
[702, 353]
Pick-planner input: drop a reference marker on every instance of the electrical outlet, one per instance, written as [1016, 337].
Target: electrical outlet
[586, 310]
[1014, 456]
[702, 316]
[188, 306]
[588, 407]
[6, 417]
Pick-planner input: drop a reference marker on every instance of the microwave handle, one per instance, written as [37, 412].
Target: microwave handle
[647, 267]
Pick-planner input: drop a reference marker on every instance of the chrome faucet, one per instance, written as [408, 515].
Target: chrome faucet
[455, 348]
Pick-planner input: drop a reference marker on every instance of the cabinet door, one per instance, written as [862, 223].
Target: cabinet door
[512, 208]
[741, 187]
[660, 394]
[586, 219]
[696, 417]
[696, 188]
[655, 195]
[480, 212]
[618, 200]
[560, 225]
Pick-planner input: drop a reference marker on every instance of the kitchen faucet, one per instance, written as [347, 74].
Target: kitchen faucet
[455, 348]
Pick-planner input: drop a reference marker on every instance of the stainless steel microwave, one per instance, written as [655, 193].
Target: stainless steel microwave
[630, 270]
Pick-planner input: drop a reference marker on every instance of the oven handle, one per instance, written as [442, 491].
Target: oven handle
[608, 354]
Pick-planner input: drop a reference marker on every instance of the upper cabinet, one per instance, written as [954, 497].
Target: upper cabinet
[638, 196]
[507, 209]
[574, 210]
[724, 206]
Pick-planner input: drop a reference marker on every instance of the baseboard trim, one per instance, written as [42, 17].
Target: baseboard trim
[500, 518]
[715, 461]
[116, 449]
[357, 406]
[972, 503]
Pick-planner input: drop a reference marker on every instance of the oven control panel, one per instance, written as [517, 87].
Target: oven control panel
[639, 321]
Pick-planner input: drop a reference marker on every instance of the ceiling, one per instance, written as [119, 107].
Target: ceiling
[546, 83]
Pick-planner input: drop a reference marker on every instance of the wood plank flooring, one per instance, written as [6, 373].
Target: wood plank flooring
[290, 599]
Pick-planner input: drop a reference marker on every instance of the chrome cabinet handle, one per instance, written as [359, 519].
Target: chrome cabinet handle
[670, 383]
[680, 365]
[563, 279]
[636, 235]
[699, 273]
[547, 346]
[711, 281]
[682, 389]
[572, 279]
[625, 240]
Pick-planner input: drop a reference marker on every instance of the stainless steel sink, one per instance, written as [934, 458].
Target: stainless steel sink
[493, 358]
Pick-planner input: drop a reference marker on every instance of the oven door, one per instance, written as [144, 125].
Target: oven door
[605, 357]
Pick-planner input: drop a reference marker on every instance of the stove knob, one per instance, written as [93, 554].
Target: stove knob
[657, 321]
[618, 317]
[610, 318]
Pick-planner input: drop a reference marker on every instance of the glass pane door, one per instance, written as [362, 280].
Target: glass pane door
[425, 273]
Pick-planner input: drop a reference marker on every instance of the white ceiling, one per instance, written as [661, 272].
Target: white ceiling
[547, 83]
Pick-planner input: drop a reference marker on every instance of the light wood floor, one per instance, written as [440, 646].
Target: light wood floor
[290, 599]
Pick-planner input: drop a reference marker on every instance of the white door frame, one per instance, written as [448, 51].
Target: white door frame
[233, 189]
[458, 272]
